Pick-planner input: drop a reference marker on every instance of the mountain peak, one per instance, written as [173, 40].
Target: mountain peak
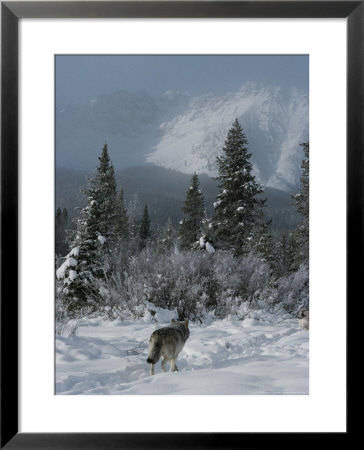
[186, 133]
[275, 121]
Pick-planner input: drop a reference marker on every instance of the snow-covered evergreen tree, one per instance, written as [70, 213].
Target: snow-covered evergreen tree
[121, 220]
[103, 191]
[264, 243]
[144, 231]
[282, 256]
[61, 224]
[194, 210]
[93, 240]
[133, 218]
[238, 206]
[301, 234]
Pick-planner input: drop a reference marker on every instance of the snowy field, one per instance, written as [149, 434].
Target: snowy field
[262, 354]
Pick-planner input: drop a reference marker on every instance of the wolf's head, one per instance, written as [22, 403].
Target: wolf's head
[302, 313]
[182, 327]
[184, 322]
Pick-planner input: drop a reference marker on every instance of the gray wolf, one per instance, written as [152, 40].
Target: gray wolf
[167, 342]
[303, 319]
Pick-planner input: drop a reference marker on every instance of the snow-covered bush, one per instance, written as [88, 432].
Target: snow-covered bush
[226, 305]
[193, 283]
[120, 296]
[183, 280]
[241, 276]
[197, 282]
[124, 293]
[292, 290]
[65, 323]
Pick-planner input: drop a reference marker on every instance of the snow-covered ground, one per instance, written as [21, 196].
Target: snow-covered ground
[263, 354]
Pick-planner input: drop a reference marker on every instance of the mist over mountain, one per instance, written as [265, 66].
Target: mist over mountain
[275, 122]
[185, 133]
[129, 122]
[164, 190]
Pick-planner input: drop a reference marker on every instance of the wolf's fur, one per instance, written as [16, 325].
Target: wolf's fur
[303, 319]
[167, 342]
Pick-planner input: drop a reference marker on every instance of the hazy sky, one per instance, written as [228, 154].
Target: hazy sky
[80, 78]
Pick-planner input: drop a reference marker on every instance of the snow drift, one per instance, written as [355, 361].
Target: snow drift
[263, 354]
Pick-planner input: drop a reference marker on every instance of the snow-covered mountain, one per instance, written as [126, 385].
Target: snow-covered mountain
[185, 133]
[275, 122]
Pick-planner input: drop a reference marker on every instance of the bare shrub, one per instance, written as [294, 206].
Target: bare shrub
[240, 276]
[192, 282]
[293, 290]
[184, 281]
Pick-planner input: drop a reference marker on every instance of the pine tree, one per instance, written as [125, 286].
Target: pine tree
[122, 220]
[194, 211]
[286, 256]
[59, 231]
[238, 207]
[264, 244]
[144, 231]
[292, 250]
[80, 268]
[133, 219]
[103, 191]
[92, 242]
[61, 224]
[301, 234]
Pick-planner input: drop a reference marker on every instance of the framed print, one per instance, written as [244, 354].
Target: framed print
[172, 266]
[76, 73]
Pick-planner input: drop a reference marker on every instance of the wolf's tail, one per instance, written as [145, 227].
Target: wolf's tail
[154, 353]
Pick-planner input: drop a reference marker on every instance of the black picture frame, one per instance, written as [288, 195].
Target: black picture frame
[11, 12]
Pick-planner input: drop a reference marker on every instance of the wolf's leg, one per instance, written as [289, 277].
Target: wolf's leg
[152, 369]
[163, 363]
[174, 367]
